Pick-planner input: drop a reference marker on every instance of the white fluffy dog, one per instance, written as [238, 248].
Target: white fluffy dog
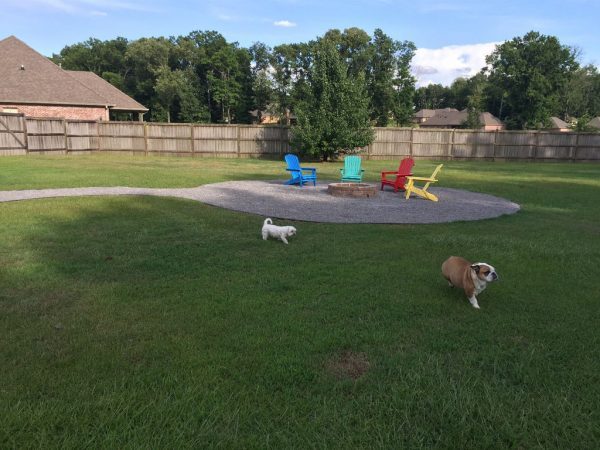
[281, 233]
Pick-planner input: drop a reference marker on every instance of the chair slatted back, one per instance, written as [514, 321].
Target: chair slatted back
[406, 166]
[292, 161]
[352, 165]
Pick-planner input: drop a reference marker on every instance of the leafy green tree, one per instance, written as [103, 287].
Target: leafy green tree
[433, 96]
[335, 116]
[147, 57]
[404, 83]
[175, 92]
[354, 45]
[531, 71]
[95, 56]
[168, 85]
[262, 83]
[581, 95]
[391, 86]
[291, 64]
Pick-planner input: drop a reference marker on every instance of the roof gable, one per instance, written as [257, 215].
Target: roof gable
[26, 76]
[111, 94]
[595, 122]
[557, 124]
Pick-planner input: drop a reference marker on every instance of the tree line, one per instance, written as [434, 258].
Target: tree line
[203, 78]
[528, 80]
[338, 85]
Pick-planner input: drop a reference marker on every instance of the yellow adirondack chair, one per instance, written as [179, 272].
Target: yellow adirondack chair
[422, 192]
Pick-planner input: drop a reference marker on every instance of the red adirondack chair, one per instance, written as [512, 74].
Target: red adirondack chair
[399, 175]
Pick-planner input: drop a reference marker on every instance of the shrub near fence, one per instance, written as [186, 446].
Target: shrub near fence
[20, 135]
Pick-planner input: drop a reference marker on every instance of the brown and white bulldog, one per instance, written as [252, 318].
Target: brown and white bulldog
[473, 278]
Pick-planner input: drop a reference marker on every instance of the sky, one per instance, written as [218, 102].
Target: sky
[452, 36]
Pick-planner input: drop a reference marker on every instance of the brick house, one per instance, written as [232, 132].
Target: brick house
[33, 85]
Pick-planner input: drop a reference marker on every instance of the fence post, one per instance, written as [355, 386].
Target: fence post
[410, 145]
[494, 146]
[574, 150]
[537, 143]
[145, 139]
[451, 149]
[98, 133]
[66, 137]
[192, 137]
[25, 138]
[237, 137]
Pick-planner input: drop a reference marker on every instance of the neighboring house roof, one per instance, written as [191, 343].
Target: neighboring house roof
[114, 96]
[28, 77]
[557, 124]
[595, 122]
[427, 113]
[487, 119]
[454, 118]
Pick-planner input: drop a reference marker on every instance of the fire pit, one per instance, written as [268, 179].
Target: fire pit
[362, 190]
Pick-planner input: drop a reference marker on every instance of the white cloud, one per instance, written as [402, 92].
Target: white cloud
[284, 24]
[444, 65]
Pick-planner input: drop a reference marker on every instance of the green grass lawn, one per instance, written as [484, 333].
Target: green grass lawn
[141, 322]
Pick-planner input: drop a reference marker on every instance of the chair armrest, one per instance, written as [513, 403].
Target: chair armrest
[395, 172]
[309, 168]
[421, 179]
[293, 170]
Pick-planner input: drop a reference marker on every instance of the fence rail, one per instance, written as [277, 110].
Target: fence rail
[21, 135]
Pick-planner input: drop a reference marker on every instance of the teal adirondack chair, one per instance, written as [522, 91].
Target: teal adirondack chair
[352, 170]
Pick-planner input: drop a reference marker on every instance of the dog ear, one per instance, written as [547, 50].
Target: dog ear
[476, 268]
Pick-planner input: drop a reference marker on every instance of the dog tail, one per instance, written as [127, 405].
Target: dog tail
[268, 221]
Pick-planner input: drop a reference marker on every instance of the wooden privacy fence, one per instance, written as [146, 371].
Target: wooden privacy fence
[21, 135]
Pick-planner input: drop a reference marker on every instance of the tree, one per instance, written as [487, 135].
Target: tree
[581, 95]
[391, 86]
[175, 92]
[146, 57]
[262, 83]
[335, 116]
[531, 72]
[404, 83]
[433, 96]
[291, 64]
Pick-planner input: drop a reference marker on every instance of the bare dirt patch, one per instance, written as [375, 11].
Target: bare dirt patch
[348, 365]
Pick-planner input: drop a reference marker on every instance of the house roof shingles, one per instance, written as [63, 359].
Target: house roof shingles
[114, 96]
[595, 122]
[557, 124]
[28, 77]
[427, 113]
[454, 118]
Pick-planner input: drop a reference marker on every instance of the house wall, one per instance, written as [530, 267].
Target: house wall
[66, 112]
[493, 128]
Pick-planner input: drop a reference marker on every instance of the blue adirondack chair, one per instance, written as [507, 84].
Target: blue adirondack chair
[352, 170]
[299, 175]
